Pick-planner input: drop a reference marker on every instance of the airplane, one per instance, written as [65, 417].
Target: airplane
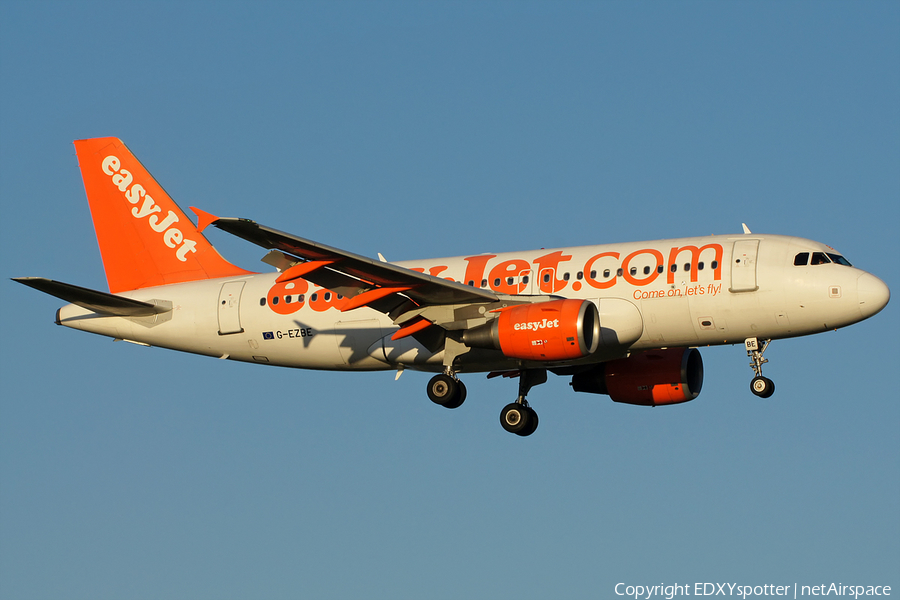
[624, 320]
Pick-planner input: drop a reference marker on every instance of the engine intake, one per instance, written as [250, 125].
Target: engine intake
[544, 331]
[650, 378]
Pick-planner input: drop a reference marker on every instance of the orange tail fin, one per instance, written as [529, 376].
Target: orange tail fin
[145, 239]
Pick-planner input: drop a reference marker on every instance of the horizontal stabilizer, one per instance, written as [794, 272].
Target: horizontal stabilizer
[98, 302]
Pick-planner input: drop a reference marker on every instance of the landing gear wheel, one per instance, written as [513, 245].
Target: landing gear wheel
[762, 386]
[461, 396]
[533, 424]
[519, 419]
[446, 391]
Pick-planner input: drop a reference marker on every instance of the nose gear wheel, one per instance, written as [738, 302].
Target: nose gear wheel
[762, 387]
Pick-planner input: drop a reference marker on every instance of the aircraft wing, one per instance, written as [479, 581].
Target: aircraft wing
[367, 282]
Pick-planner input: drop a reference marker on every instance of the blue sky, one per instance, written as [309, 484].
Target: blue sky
[439, 129]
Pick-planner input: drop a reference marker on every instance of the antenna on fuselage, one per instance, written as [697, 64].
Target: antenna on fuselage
[746, 229]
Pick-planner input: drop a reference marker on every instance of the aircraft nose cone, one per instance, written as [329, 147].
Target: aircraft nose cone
[873, 294]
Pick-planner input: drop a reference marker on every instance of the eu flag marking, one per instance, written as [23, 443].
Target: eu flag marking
[268, 335]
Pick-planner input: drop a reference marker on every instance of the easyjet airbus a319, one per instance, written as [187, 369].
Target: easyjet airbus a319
[619, 319]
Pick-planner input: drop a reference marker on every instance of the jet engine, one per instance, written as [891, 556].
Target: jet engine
[544, 331]
[650, 378]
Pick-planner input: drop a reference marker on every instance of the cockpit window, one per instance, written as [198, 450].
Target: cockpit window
[838, 259]
[820, 258]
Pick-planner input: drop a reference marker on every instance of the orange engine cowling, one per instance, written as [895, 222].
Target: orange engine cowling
[544, 331]
[650, 378]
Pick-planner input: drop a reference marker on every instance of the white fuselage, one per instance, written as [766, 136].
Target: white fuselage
[681, 292]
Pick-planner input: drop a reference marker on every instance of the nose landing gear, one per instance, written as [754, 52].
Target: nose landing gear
[761, 386]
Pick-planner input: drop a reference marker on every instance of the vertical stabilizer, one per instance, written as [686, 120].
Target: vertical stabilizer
[145, 239]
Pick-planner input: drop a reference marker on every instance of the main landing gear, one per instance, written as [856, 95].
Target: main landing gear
[761, 386]
[518, 417]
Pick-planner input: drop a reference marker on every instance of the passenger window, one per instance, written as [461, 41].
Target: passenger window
[646, 270]
[633, 271]
[715, 264]
[546, 277]
[509, 281]
[472, 282]
[619, 272]
[700, 266]
[674, 268]
[314, 297]
[274, 300]
[287, 299]
[819, 258]
[660, 269]
[687, 266]
[525, 279]
[565, 276]
[262, 301]
[579, 275]
[802, 259]
[300, 298]
[497, 282]
[484, 283]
